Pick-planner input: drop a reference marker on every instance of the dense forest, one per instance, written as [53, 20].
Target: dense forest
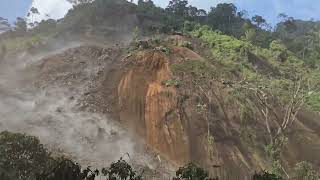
[299, 37]
[272, 73]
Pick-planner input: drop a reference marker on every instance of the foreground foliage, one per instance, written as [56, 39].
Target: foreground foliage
[22, 157]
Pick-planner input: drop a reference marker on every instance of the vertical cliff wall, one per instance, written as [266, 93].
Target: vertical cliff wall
[151, 108]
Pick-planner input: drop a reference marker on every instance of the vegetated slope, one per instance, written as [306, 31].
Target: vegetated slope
[184, 103]
[181, 96]
[100, 22]
[203, 98]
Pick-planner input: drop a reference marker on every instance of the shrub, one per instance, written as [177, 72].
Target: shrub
[136, 34]
[186, 44]
[266, 176]
[195, 67]
[22, 156]
[305, 171]
[188, 26]
[68, 170]
[191, 171]
[164, 49]
[172, 83]
[279, 51]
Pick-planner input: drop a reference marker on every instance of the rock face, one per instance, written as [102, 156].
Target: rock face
[167, 118]
[152, 108]
[136, 91]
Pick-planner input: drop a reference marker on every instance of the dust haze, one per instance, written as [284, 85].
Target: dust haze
[52, 113]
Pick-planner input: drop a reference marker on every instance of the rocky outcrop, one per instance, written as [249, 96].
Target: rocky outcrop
[168, 120]
[151, 108]
[167, 117]
[135, 90]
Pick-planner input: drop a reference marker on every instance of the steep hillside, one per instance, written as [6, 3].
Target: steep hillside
[114, 79]
[176, 99]
[188, 99]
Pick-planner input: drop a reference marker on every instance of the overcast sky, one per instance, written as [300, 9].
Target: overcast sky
[301, 9]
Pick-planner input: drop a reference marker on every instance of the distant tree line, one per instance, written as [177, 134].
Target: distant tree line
[300, 37]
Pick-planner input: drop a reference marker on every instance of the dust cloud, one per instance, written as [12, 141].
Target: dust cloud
[53, 115]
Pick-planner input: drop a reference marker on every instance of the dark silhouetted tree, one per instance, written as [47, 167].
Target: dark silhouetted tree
[21, 25]
[258, 20]
[4, 24]
[178, 7]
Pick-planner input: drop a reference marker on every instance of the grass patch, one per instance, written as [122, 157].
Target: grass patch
[314, 102]
[24, 43]
[164, 49]
[186, 44]
[172, 83]
[195, 67]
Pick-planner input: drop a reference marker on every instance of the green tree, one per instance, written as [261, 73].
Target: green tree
[22, 156]
[3, 51]
[79, 1]
[21, 25]
[195, 14]
[46, 26]
[148, 3]
[223, 15]
[4, 24]
[33, 11]
[305, 171]
[251, 35]
[121, 170]
[225, 18]
[288, 22]
[279, 51]
[259, 20]
[191, 172]
[266, 176]
[178, 7]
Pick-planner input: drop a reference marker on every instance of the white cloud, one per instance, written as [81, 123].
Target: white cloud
[51, 9]
[54, 9]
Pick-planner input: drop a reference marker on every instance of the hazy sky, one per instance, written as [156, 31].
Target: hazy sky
[11, 9]
[301, 9]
